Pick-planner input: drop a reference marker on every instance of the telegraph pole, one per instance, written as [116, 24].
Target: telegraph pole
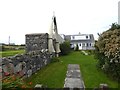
[9, 40]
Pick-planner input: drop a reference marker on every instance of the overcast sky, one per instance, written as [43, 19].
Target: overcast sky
[20, 17]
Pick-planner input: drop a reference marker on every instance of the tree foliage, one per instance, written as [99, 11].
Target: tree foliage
[65, 48]
[114, 26]
[108, 51]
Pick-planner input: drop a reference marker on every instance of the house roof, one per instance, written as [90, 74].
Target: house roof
[68, 37]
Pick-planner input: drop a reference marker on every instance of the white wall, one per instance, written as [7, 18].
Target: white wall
[83, 46]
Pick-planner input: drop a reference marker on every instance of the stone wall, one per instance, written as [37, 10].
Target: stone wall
[25, 64]
[37, 41]
[36, 57]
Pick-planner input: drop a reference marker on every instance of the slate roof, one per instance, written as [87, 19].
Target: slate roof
[68, 37]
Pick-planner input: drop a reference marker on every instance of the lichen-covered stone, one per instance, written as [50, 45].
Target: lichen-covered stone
[36, 41]
[25, 64]
[36, 57]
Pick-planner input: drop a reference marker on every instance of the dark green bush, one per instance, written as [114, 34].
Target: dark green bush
[65, 48]
[76, 48]
[55, 59]
[90, 52]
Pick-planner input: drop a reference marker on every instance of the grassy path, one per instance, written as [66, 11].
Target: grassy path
[53, 75]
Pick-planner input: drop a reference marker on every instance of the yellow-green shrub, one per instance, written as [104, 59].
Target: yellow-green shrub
[108, 52]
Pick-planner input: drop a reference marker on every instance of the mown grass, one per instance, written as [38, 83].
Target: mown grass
[53, 75]
[11, 53]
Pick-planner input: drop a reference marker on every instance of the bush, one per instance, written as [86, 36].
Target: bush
[108, 52]
[90, 52]
[55, 59]
[65, 48]
[76, 48]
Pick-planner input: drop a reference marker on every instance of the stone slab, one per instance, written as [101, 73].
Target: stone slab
[73, 83]
[73, 77]
[73, 74]
[73, 67]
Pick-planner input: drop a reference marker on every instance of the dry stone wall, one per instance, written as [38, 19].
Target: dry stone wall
[37, 41]
[36, 57]
[25, 65]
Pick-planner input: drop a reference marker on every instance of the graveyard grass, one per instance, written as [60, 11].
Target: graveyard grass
[11, 53]
[53, 75]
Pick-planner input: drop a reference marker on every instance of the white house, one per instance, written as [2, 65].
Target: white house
[84, 41]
